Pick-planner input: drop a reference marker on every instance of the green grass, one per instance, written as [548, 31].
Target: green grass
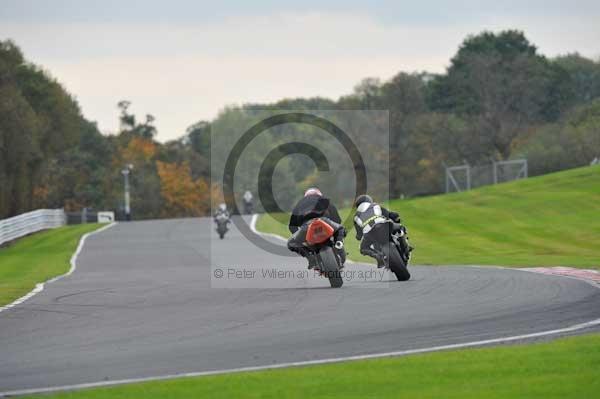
[565, 368]
[551, 220]
[37, 258]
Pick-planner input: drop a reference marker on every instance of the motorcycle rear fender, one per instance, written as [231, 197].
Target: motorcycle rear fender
[298, 239]
[319, 231]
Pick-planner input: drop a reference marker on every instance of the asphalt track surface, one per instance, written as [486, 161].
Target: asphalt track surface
[144, 301]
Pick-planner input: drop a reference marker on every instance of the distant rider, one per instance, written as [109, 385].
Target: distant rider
[248, 197]
[314, 205]
[371, 222]
[221, 214]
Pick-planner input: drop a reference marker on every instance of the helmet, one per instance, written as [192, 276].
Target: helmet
[313, 191]
[362, 198]
[222, 207]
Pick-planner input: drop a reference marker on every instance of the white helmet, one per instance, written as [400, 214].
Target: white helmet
[313, 191]
[222, 206]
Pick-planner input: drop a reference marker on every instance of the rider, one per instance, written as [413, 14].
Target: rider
[221, 213]
[314, 205]
[248, 201]
[371, 224]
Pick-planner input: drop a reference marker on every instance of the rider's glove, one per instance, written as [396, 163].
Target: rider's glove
[339, 244]
[395, 217]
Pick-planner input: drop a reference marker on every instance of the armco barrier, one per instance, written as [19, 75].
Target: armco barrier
[30, 222]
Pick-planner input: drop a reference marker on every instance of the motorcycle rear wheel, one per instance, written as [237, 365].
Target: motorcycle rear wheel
[395, 262]
[329, 266]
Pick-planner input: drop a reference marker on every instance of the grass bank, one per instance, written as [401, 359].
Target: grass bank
[37, 258]
[565, 368]
[551, 220]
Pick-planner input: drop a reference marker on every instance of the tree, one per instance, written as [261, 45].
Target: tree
[18, 151]
[199, 137]
[573, 142]
[146, 129]
[182, 195]
[404, 97]
[129, 126]
[584, 76]
[366, 95]
[126, 119]
[77, 176]
[39, 121]
[502, 84]
[369, 92]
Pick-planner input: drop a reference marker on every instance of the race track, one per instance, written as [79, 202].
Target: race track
[140, 304]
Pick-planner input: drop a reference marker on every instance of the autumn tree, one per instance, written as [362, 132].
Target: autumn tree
[183, 196]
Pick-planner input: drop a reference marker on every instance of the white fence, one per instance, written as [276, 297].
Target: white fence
[30, 222]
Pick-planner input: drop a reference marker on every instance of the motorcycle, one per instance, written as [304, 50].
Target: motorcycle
[316, 237]
[222, 222]
[248, 207]
[396, 250]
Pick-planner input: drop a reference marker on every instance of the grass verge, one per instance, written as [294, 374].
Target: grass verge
[565, 368]
[37, 258]
[551, 220]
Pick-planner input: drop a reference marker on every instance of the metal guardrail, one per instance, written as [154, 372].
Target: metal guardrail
[464, 177]
[30, 222]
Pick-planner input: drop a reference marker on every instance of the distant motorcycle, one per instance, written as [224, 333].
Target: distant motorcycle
[248, 207]
[317, 235]
[395, 250]
[248, 202]
[222, 222]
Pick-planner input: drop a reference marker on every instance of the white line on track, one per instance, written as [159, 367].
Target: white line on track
[253, 228]
[308, 362]
[39, 287]
[463, 345]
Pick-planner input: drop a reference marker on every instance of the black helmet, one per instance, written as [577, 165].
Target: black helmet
[362, 198]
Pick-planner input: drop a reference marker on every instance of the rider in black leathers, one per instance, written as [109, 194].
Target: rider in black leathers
[314, 205]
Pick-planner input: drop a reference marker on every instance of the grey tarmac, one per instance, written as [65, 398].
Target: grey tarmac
[146, 300]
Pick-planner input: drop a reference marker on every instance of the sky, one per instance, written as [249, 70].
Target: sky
[184, 61]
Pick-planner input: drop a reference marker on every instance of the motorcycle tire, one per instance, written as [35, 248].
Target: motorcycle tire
[396, 262]
[330, 267]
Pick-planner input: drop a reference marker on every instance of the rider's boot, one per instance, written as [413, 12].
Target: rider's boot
[380, 258]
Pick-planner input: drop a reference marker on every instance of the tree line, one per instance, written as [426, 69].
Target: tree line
[499, 99]
[52, 157]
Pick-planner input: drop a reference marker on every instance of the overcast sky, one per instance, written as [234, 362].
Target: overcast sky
[183, 61]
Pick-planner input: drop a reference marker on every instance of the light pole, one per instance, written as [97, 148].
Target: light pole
[125, 172]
